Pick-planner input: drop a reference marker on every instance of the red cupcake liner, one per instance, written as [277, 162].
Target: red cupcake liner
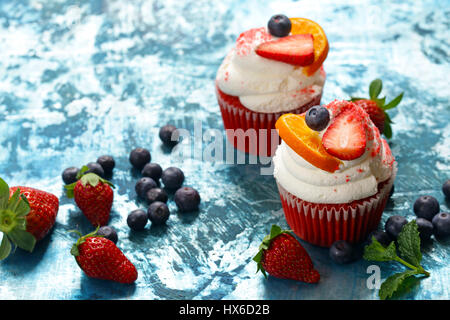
[323, 224]
[239, 122]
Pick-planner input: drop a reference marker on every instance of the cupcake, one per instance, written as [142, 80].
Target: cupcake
[270, 71]
[334, 173]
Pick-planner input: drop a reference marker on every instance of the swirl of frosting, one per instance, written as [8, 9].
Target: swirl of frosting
[265, 85]
[355, 179]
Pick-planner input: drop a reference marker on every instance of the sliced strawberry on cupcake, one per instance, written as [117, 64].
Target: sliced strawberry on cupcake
[26, 216]
[377, 107]
[282, 256]
[295, 49]
[345, 138]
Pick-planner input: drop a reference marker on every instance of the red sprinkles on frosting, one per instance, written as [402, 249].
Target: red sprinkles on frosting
[251, 38]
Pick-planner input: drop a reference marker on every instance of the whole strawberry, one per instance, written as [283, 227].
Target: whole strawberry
[376, 107]
[26, 216]
[282, 256]
[94, 196]
[100, 258]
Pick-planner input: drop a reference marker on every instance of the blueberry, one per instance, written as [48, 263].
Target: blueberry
[382, 237]
[441, 224]
[342, 252]
[279, 25]
[317, 118]
[187, 199]
[169, 135]
[137, 219]
[143, 185]
[158, 212]
[109, 233]
[152, 170]
[156, 194]
[172, 178]
[69, 175]
[394, 226]
[96, 168]
[425, 228]
[107, 163]
[139, 157]
[446, 189]
[426, 207]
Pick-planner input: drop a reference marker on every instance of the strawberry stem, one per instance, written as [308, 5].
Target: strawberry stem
[13, 224]
[74, 251]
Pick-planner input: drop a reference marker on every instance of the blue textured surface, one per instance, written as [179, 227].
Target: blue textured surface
[79, 79]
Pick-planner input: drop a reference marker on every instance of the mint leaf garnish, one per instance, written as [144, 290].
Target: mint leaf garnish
[376, 252]
[392, 284]
[409, 244]
[411, 256]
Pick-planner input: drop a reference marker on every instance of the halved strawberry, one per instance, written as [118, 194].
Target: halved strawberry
[345, 138]
[297, 49]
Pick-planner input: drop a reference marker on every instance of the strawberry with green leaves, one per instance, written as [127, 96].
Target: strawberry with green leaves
[100, 258]
[26, 216]
[377, 107]
[93, 195]
[282, 256]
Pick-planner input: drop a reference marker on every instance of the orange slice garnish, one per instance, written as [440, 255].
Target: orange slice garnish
[302, 26]
[306, 142]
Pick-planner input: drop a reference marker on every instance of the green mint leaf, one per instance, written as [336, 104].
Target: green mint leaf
[409, 244]
[376, 252]
[375, 88]
[4, 194]
[394, 283]
[5, 247]
[394, 102]
[22, 239]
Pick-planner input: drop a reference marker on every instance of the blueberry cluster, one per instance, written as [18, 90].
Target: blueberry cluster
[429, 219]
[103, 167]
[154, 186]
[149, 187]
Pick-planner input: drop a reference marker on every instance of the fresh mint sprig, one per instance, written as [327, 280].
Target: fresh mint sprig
[410, 256]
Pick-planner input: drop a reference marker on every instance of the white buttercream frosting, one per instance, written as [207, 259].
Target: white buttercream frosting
[265, 85]
[355, 180]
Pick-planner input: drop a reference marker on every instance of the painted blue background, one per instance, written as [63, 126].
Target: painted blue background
[79, 79]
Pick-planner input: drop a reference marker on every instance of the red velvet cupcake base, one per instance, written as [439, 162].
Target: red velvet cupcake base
[237, 121]
[323, 224]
